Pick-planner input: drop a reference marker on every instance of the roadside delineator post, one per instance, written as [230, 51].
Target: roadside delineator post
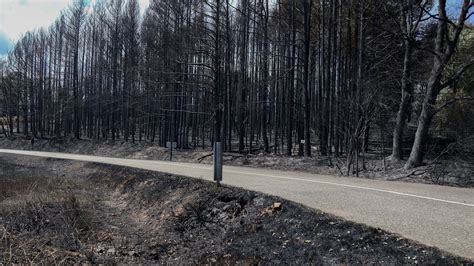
[217, 158]
[171, 145]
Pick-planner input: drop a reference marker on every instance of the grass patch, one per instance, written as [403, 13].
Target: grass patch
[43, 220]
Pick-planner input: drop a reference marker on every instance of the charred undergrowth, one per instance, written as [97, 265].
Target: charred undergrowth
[110, 214]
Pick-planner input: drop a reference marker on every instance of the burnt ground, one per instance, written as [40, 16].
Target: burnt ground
[452, 169]
[57, 211]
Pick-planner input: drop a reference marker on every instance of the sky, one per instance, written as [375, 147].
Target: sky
[19, 16]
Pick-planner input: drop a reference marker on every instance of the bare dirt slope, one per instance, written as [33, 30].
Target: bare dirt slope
[452, 172]
[74, 212]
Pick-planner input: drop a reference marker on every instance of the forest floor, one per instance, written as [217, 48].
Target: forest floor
[452, 172]
[58, 211]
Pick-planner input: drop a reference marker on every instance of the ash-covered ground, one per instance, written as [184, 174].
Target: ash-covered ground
[55, 211]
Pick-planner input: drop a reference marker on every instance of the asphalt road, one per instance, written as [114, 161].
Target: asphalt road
[433, 215]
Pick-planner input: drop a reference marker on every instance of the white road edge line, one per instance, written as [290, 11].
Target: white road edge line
[358, 187]
[106, 160]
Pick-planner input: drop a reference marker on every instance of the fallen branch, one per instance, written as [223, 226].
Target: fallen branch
[205, 156]
[225, 154]
[412, 173]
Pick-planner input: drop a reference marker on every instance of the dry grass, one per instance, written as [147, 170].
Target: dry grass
[42, 220]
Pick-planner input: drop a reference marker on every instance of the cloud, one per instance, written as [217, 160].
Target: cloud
[20, 16]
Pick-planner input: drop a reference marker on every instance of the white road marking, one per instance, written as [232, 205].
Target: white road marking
[106, 160]
[358, 187]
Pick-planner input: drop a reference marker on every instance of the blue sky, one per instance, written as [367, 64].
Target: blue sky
[20, 16]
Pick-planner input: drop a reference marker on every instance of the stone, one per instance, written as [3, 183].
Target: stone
[277, 206]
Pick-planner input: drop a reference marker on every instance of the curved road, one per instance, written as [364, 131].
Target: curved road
[433, 215]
